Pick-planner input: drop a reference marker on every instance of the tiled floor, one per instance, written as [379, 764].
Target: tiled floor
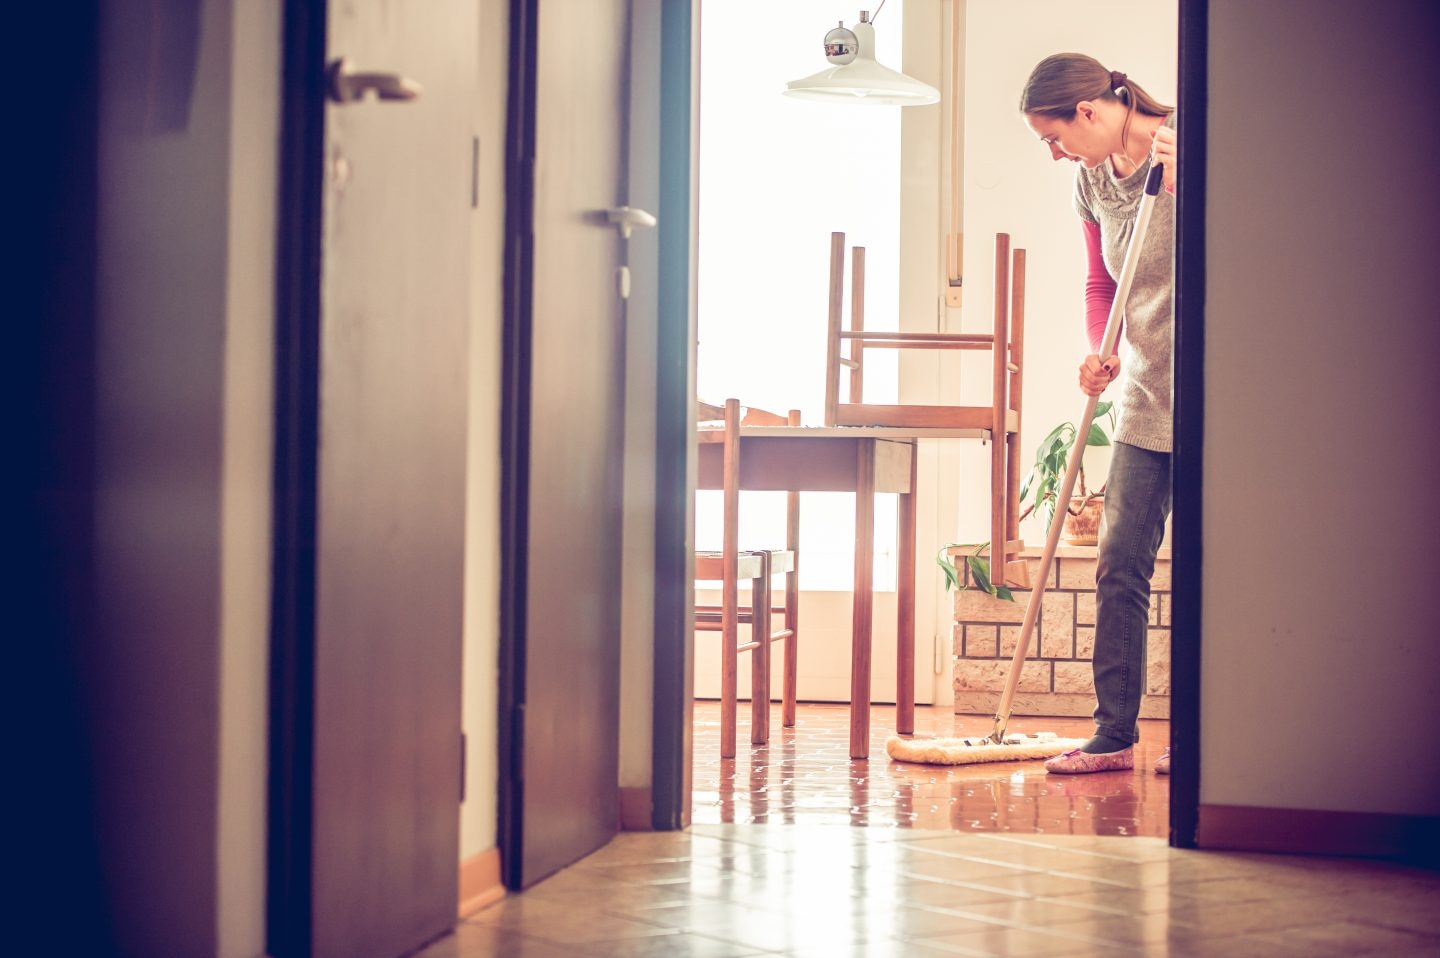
[994, 860]
[725, 891]
[804, 775]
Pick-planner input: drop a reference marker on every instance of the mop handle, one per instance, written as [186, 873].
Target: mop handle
[1077, 452]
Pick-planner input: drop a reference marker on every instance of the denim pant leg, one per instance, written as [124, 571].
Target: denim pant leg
[1137, 502]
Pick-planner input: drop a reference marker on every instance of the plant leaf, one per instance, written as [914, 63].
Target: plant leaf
[1097, 436]
[952, 574]
[980, 572]
[1001, 592]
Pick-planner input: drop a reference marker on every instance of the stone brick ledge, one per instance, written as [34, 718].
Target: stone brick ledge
[1051, 705]
[1056, 678]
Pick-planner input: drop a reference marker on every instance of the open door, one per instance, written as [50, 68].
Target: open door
[371, 469]
[563, 435]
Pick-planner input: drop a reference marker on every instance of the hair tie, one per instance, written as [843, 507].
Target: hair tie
[1117, 80]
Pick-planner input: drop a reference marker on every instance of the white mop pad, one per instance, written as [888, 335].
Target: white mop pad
[973, 751]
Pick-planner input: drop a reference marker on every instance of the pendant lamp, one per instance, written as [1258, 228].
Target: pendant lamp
[854, 75]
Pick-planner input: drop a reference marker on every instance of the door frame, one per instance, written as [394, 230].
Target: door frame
[674, 476]
[674, 602]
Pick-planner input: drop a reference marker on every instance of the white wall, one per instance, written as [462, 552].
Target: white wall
[924, 376]
[480, 711]
[1320, 665]
[1012, 185]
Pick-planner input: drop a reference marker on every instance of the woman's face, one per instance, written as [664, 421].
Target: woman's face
[1078, 139]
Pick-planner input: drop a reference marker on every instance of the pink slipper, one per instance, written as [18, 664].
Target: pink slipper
[1076, 762]
[1162, 764]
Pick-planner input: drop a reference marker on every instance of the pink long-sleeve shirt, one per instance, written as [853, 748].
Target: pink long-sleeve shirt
[1099, 287]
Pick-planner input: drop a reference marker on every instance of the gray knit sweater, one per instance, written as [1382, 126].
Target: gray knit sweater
[1102, 197]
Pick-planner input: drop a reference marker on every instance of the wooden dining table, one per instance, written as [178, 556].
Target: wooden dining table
[864, 460]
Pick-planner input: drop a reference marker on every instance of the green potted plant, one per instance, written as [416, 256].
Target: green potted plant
[1041, 489]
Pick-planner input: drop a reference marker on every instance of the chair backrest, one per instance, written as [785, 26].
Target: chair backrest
[1001, 416]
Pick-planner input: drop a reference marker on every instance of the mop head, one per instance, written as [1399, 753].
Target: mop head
[973, 751]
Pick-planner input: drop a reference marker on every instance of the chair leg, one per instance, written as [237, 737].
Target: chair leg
[905, 605]
[792, 612]
[729, 657]
[760, 655]
[729, 678]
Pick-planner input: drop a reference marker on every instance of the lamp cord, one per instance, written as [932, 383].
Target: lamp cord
[877, 11]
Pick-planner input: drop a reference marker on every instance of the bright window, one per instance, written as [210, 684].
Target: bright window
[777, 176]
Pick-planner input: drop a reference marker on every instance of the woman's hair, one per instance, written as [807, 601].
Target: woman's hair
[1059, 82]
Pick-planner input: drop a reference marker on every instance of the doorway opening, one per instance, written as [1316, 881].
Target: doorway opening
[766, 215]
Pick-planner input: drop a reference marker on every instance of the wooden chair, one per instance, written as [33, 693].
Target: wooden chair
[1000, 420]
[729, 567]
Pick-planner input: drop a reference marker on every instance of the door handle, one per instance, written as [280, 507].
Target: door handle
[345, 84]
[626, 218]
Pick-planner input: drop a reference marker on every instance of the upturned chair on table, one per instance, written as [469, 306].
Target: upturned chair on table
[1000, 420]
[729, 567]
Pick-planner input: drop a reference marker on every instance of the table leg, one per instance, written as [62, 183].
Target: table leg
[860, 641]
[905, 607]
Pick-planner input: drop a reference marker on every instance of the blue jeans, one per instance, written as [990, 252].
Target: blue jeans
[1137, 502]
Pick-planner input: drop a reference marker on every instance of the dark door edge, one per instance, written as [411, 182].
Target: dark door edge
[515, 431]
[290, 827]
[1189, 394]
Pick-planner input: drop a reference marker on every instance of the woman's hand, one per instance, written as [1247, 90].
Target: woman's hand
[1163, 150]
[1096, 375]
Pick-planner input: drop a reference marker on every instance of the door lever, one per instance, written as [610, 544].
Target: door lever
[344, 84]
[626, 218]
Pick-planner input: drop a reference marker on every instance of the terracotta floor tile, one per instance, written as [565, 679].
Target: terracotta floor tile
[804, 775]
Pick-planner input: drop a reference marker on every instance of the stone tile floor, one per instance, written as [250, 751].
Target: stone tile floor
[803, 890]
[796, 850]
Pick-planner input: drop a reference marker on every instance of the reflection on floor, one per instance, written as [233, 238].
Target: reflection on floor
[833, 891]
[805, 775]
[986, 860]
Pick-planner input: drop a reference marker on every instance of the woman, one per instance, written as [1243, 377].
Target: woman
[1114, 130]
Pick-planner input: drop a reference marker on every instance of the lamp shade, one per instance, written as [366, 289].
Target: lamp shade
[863, 80]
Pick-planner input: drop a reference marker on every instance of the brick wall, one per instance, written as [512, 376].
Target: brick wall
[1056, 677]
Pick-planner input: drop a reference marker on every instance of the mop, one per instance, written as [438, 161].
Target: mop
[999, 746]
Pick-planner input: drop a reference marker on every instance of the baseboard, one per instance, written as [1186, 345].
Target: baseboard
[1298, 831]
[635, 809]
[480, 883]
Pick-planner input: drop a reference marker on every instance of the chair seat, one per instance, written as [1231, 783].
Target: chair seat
[711, 565]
